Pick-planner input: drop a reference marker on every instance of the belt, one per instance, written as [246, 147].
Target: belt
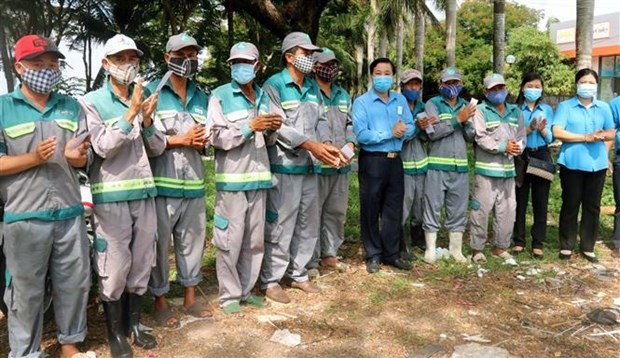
[536, 149]
[390, 155]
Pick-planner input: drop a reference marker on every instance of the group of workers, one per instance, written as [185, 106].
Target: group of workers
[283, 153]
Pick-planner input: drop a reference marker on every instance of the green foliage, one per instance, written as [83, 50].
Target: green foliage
[535, 52]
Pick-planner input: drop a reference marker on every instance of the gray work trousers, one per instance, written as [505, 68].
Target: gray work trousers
[413, 199]
[291, 228]
[497, 195]
[333, 203]
[239, 236]
[35, 249]
[124, 246]
[184, 221]
[450, 189]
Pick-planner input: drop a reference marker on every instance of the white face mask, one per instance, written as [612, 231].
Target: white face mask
[586, 90]
[123, 74]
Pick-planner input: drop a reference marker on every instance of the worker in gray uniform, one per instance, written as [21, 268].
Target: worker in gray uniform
[292, 218]
[244, 124]
[415, 162]
[122, 134]
[447, 181]
[333, 181]
[179, 178]
[44, 231]
[500, 136]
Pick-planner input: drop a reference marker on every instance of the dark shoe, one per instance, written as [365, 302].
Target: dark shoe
[417, 237]
[132, 328]
[562, 256]
[306, 286]
[537, 253]
[408, 256]
[372, 266]
[119, 348]
[615, 252]
[277, 294]
[592, 259]
[401, 264]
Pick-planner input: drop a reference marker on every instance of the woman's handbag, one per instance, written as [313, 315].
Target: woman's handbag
[540, 168]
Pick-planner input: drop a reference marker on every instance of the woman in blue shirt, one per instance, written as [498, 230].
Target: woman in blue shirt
[583, 124]
[538, 117]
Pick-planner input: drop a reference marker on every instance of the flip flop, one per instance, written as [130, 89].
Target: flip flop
[166, 318]
[198, 309]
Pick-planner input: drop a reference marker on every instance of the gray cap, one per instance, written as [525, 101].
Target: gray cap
[493, 80]
[243, 50]
[182, 40]
[450, 73]
[409, 75]
[325, 56]
[298, 39]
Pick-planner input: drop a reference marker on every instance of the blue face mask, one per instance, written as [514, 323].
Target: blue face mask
[532, 94]
[382, 84]
[451, 91]
[586, 90]
[497, 97]
[411, 95]
[242, 73]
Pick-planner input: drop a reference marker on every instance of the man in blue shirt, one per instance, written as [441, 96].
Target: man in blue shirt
[381, 122]
[615, 111]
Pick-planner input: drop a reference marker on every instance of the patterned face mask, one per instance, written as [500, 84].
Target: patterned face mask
[41, 81]
[183, 67]
[123, 74]
[326, 72]
[304, 63]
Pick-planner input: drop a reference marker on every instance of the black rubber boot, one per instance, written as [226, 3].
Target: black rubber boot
[417, 237]
[137, 336]
[119, 348]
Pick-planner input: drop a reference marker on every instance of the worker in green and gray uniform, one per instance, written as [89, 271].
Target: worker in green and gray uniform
[333, 182]
[125, 222]
[292, 226]
[415, 162]
[44, 231]
[500, 136]
[179, 178]
[447, 182]
[244, 124]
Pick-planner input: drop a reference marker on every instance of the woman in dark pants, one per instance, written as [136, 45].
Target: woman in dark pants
[538, 117]
[583, 124]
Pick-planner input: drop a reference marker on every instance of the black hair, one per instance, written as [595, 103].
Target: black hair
[291, 50]
[529, 77]
[585, 72]
[382, 60]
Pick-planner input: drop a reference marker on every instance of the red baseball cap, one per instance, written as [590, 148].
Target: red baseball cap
[31, 46]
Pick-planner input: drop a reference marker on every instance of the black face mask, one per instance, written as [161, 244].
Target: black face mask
[183, 67]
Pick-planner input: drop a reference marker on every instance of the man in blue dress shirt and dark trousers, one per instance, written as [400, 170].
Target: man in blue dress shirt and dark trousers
[381, 122]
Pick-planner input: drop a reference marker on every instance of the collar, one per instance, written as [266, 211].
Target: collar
[109, 88]
[509, 108]
[574, 102]
[51, 102]
[288, 79]
[459, 101]
[374, 96]
[237, 89]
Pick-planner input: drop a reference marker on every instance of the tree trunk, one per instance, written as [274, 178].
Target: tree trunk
[420, 30]
[451, 32]
[383, 44]
[499, 35]
[359, 59]
[7, 62]
[400, 38]
[230, 16]
[583, 34]
[370, 38]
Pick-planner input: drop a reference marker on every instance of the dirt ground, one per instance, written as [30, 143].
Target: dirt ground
[534, 310]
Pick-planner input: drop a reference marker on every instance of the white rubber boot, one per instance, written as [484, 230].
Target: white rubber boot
[456, 245]
[431, 241]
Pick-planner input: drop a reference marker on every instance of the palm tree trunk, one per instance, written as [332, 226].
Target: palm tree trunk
[583, 35]
[383, 44]
[359, 59]
[451, 32]
[6, 61]
[400, 38]
[420, 31]
[499, 35]
[371, 33]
